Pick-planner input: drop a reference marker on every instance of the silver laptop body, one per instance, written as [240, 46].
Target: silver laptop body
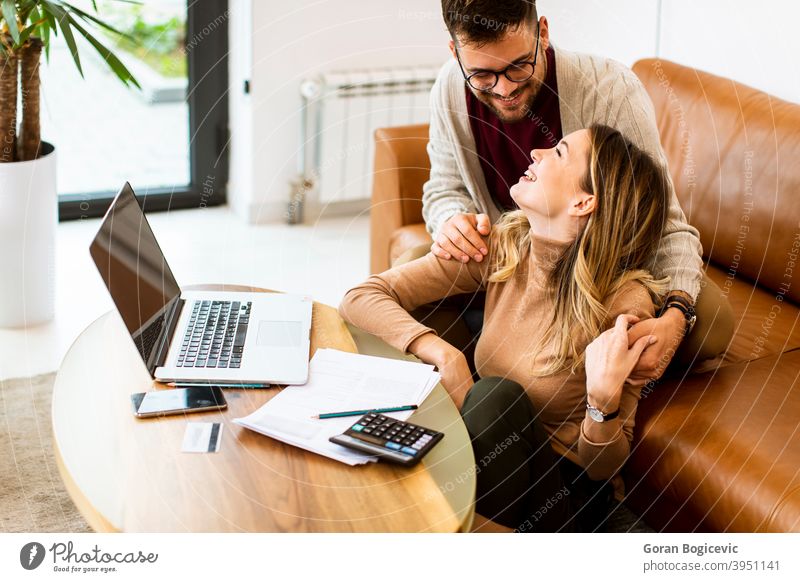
[225, 337]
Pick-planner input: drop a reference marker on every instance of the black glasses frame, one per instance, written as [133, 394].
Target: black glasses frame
[504, 72]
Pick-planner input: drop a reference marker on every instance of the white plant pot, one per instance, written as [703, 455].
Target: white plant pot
[28, 218]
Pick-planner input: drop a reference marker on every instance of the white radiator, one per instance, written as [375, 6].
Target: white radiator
[341, 111]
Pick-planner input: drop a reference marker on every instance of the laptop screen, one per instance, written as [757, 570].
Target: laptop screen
[136, 273]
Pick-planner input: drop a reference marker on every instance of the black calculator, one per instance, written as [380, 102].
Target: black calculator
[390, 439]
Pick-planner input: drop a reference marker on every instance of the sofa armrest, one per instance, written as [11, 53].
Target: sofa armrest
[401, 168]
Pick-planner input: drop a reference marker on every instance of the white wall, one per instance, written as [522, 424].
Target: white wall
[282, 43]
[624, 30]
[295, 40]
[756, 43]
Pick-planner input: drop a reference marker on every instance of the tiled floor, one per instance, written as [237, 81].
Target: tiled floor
[202, 246]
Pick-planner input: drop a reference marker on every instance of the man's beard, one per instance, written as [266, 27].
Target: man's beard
[520, 112]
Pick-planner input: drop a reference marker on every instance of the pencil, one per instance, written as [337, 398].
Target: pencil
[220, 384]
[365, 411]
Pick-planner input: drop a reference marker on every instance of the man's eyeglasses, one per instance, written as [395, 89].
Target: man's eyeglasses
[515, 72]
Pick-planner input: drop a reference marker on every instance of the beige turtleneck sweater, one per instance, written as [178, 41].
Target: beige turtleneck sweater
[516, 314]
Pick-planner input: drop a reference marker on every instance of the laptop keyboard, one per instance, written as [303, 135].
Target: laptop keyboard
[215, 335]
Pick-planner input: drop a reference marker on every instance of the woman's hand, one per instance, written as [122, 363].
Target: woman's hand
[451, 363]
[609, 361]
[670, 328]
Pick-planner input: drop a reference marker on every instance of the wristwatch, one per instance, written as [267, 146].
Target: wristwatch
[684, 306]
[597, 415]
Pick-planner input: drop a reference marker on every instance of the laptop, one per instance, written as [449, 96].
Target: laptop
[196, 336]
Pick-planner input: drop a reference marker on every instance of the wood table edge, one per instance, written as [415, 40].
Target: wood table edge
[93, 517]
[99, 523]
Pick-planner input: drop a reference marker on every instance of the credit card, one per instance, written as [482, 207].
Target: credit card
[202, 437]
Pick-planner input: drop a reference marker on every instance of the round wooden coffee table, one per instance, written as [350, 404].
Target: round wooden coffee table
[128, 474]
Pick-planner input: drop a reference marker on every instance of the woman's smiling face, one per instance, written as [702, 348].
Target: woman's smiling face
[551, 185]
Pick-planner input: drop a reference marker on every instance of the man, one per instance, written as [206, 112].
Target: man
[508, 91]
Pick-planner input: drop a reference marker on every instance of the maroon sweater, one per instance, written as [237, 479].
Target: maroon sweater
[504, 148]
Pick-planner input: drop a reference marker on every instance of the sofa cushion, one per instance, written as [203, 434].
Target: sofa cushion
[763, 325]
[406, 238]
[732, 152]
[720, 451]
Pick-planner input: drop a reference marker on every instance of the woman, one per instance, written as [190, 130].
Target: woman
[560, 270]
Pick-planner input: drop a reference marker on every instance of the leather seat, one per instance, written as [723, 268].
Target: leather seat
[762, 326]
[406, 238]
[719, 450]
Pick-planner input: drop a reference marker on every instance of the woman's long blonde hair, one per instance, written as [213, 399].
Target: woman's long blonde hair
[619, 239]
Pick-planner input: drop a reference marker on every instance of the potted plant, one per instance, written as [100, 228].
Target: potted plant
[28, 195]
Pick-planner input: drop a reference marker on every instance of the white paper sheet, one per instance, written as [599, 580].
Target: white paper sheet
[339, 381]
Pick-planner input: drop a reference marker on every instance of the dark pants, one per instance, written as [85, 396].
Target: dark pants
[521, 482]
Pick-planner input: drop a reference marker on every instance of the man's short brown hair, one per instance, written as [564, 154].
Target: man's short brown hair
[483, 21]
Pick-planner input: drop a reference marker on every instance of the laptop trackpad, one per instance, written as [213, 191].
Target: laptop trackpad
[281, 334]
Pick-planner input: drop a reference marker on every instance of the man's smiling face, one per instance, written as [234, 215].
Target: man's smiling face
[510, 101]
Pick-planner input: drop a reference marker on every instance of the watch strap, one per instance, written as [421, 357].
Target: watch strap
[606, 417]
[684, 306]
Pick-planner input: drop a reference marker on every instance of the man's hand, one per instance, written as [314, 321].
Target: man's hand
[461, 238]
[609, 361]
[669, 329]
[451, 362]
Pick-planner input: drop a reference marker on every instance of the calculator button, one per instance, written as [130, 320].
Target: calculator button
[397, 439]
[408, 442]
[357, 427]
[408, 451]
[417, 445]
[367, 430]
[394, 446]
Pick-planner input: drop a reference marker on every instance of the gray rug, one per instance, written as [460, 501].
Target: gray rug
[32, 496]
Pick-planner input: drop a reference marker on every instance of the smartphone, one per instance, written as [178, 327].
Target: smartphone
[178, 401]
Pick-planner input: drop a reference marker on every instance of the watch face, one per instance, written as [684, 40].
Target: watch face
[595, 414]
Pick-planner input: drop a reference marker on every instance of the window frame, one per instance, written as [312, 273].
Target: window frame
[207, 97]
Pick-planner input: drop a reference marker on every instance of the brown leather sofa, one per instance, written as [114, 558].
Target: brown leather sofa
[717, 450]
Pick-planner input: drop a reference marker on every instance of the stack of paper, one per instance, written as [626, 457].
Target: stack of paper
[339, 381]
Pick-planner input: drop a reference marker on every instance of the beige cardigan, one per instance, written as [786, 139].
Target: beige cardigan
[591, 90]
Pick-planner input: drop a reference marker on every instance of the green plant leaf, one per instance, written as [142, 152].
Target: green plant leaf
[120, 70]
[51, 20]
[93, 19]
[46, 39]
[63, 20]
[10, 15]
[25, 33]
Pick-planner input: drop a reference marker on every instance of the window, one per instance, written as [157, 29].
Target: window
[170, 139]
